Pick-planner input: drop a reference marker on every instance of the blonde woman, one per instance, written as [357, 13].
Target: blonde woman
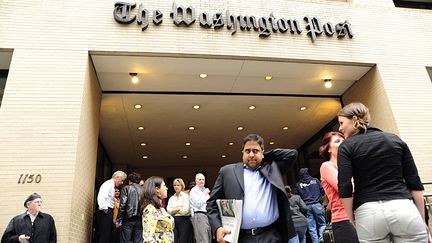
[179, 207]
[388, 197]
[158, 225]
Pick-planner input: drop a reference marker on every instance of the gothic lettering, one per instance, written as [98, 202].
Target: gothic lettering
[157, 17]
[142, 17]
[122, 12]
[182, 14]
[205, 21]
[313, 27]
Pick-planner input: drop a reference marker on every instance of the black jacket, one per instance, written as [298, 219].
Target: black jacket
[130, 202]
[42, 231]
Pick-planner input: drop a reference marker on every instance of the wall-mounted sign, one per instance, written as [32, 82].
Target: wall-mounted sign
[186, 16]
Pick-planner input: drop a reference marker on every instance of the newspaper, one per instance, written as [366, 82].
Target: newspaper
[230, 211]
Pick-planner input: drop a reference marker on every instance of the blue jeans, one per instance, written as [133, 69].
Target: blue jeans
[301, 235]
[316, 221]
[132, 230]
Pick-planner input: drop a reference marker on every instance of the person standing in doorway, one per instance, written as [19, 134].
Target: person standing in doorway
[179, 208]
[129, 217]
[311, 191]
[105, 200]
[198, 201]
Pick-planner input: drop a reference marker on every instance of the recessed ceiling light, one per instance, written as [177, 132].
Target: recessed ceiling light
[184, 157]
[145, 157]
[143, 144]
[252, 107]
[135, 78]
[223, 156]
[303, 108]
[240, 128]
[191, 128]
[196, 107]
[328, 83]
[268, 78]
[141, 128]
[271, 142]
[230, 143]
[187, 144]
[203, 75]
[285, 128]
[137, 106]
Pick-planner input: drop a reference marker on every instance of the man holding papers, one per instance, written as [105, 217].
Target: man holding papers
[258, 182]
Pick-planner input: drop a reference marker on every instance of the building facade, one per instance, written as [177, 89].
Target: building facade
[49, 114]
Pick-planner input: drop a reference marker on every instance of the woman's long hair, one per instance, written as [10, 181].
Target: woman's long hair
[149, 195]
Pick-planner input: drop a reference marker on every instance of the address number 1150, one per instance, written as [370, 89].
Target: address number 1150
[29, 178]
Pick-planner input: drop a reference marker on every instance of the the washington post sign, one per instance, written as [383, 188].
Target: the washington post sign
[126, 13]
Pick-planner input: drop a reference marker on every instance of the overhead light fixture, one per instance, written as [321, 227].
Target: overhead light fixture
[271, 142]
[223, 156]
[137, 106]
[196, 107]
[230, 143]
[145, 157]
[203, 75]
[135, 78]
[191, 128]
[184, 157]
[187, 144]
[143, 144]
[141, 128]
[268, 78]
[240, 128]
[252, 107]
[303, 108]
[328, 83]
[285, 128]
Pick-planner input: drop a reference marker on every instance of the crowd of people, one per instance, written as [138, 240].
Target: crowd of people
[369, 177]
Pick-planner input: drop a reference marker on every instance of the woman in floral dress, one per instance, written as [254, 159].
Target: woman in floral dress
[158, 225]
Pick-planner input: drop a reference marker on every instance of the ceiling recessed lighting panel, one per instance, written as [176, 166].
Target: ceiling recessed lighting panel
[191, 128]
[196, 107]
[145, 157]
[143, 144]
[203, 75]
[141, 128]
[271, 142]
[135, 78]
[187, 144]
[252, 107]
[268, 77]
[223, 156]
[184, 157]
[240, 128]
[303, 108]
[284, 128]
[328, 83]
[230, 143]
[137, 106]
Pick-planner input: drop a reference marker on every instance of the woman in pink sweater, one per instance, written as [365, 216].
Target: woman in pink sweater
[343, 230]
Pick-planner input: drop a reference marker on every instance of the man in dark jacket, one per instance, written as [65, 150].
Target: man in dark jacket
[32, 226]
[129, 217]
[311, 191]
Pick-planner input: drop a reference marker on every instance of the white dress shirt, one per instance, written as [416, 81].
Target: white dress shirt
[198, 200]
[181, 201]
[105, 196]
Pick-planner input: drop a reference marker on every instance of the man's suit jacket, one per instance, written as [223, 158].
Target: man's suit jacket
[230, 185]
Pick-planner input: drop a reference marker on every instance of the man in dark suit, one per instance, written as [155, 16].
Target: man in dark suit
[258, 182]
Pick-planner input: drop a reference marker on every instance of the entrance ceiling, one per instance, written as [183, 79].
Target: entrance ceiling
[169, 87]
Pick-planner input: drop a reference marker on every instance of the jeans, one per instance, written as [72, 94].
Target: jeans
[396, 221]
[301, 235]
[132, 230]
[316, 222]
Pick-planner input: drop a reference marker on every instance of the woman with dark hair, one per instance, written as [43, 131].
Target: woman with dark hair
[158, 225]
[343, 230]
[388, 196]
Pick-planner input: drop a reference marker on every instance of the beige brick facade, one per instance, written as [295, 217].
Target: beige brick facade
[49, 114]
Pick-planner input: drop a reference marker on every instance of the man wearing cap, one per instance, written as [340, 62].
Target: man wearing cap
[105, 200]
[32, 226]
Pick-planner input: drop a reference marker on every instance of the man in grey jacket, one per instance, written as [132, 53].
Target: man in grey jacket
[129, 217]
